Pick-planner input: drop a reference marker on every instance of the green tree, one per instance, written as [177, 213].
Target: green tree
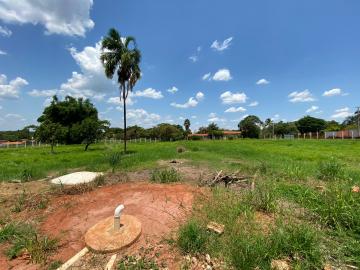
[88, 131]
[250, 126]
[121, 56]
[50, 132]
[168, 132]
[310, 124]
[332, 126]
[78, 118]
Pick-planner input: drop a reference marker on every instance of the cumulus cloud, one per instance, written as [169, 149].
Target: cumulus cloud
[3, 52]
[142, 117]
[206, 76]
[172, 90]
[222, 75]
[90, 81]
[262, 82]
[304, 96]
[312, 109]
[229, 98]
[42, 93]
[192, 102]
[334, 92]
[214, 118]
[12, 89]
[193, 58]
[4, 31]
[253, 104]
[342, 113]
[117, 101]
[15, 116]
[149, 93]
[221, 46]
[58, 17]
[234, 109]
[200, 96]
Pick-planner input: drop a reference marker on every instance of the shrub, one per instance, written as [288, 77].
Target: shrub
[165, 176]
[180, 149]
[330, 170]
[114, 159]
[192, 237]
[195, 138]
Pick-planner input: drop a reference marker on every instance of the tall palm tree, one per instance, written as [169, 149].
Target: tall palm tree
[187, 127]
[120, 55]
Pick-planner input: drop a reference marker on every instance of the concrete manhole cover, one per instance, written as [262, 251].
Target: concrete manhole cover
[76, 178]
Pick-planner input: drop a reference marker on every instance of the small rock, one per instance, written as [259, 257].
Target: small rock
[355, 189]
[216, 227]
[279, 265]
[208, 267]
[194, 260]
[207, 258]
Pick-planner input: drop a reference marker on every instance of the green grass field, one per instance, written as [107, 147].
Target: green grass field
[296, 159]
[305, 184]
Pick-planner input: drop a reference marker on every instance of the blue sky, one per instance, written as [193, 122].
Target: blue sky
[203, 60]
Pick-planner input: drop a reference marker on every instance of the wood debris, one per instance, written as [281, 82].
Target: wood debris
[227, 179]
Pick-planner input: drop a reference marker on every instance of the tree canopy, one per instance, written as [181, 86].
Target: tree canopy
[250, 126]
[71, 121]
[310, 124]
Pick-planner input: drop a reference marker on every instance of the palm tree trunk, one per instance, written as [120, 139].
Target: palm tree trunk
[124, 100]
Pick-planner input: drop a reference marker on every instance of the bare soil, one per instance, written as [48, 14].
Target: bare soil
[160, 208]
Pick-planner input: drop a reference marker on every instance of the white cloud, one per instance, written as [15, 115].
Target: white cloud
[199, 96]
[12, 89]
[3, 52]
[91, 81]
[4, 31]
[253, 104]
[312, 109]
[42, 93]
[222, 75]
[142, 117]
[192, 102]
[1, 107]
[58, 17]
[304, 96]
[47, 101]
[172, 90]
[229, 98]
[117, 101]
[342, 113]
[234, 109]
[262, 82]
[220, 46]
[334, 92]
[15, 116]
[193, 58]
[149, 93]
[206, 76]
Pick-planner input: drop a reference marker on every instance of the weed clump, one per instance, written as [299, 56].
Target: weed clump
[165, 176]
[330, 170]
[99, 180]
[114, 159]
[263, 198]
[192, 237]
[24, 238]
[27, 174]
[180, 149]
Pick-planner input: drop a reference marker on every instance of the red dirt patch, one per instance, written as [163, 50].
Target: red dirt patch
[160, 208]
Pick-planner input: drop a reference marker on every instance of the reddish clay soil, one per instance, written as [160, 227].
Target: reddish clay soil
[160, 208]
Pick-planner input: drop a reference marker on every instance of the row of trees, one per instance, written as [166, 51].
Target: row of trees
[252, 127]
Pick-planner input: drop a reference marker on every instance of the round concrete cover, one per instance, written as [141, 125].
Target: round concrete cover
[76, 178]
[103, 238]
